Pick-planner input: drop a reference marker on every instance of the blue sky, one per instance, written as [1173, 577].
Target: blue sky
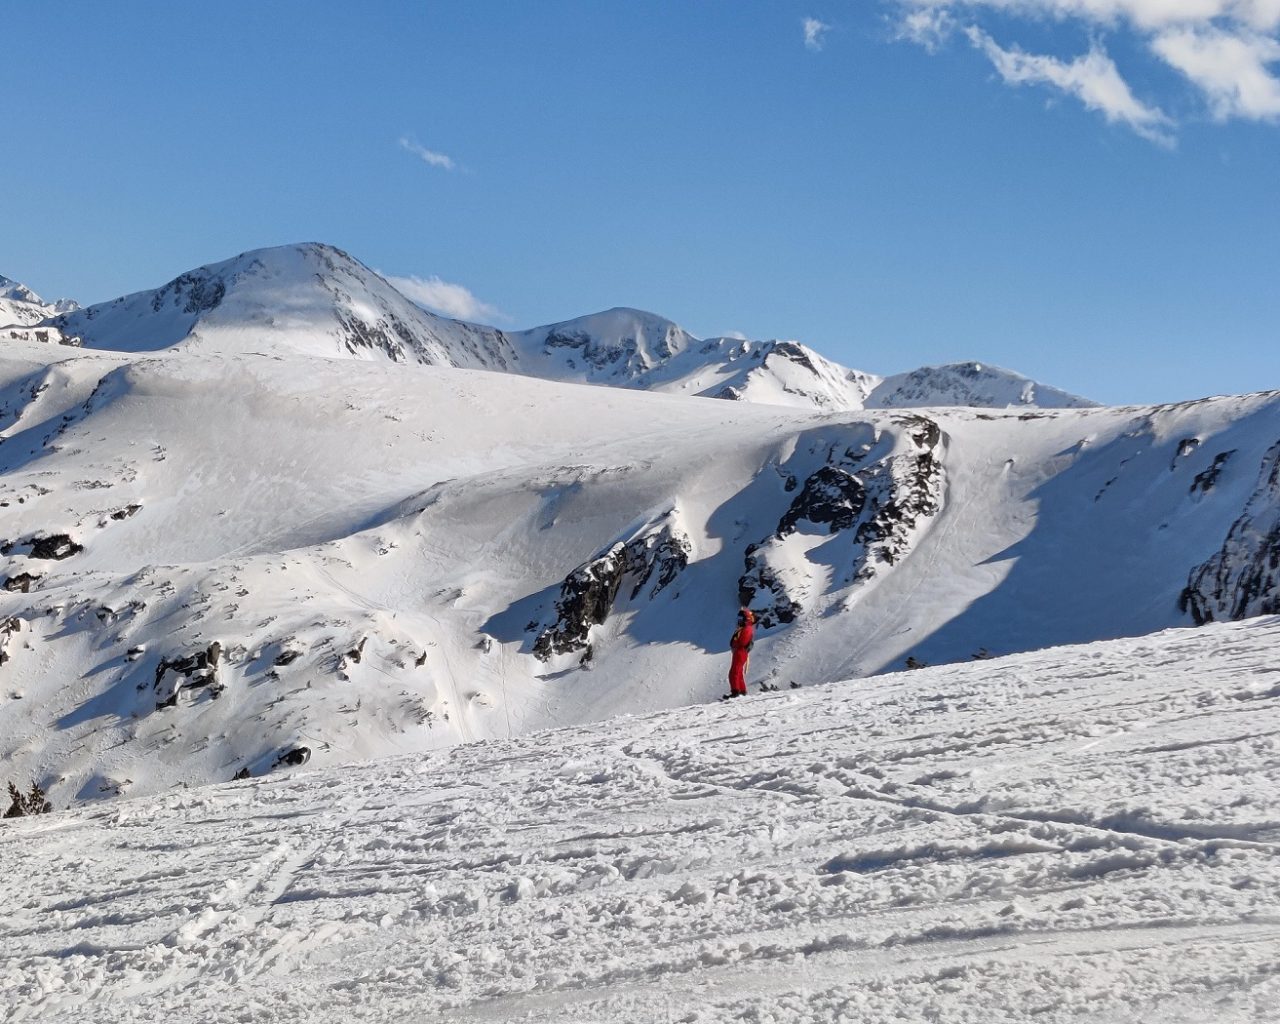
[1087, 191]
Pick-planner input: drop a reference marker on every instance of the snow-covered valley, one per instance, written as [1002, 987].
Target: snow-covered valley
[1079, 834]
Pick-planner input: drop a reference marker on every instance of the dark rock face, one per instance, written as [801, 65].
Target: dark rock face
[203, 292]
[389, 335]
[832, 496]
[653, 559]
[191, 672]
[23, 582]
[793, 351]
[9, 628]
[593, 353]
[1204, 481]
[625, 356]
[881, 501]
[1243, 579]
[777, 606]
[294, 757]
[55, 546]
[909, 490]
[1185, 447]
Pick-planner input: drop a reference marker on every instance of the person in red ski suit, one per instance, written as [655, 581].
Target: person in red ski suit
[740, 645]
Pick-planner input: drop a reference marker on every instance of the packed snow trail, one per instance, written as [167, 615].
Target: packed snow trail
[1079, 834]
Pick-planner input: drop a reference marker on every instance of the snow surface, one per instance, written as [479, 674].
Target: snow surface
[1079, 834]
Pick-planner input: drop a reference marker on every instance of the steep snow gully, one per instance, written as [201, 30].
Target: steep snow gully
[1081, 834]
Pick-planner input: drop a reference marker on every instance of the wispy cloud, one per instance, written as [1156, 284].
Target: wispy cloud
[1093, 79]
[1261, 15]
[1230, 69]
[926, 26]
[1223, 48]
[445, 297]
[814, 30]
[428, 156]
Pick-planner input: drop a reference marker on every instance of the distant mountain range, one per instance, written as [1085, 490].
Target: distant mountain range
[316, 300]
[20, 306]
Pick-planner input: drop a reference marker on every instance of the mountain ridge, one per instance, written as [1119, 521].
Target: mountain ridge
[315, 299]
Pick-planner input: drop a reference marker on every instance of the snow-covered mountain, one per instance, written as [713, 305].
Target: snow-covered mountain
[633, 349]
[971, 384]
[299, 299]
[1079, 834]
[21, 307]
[314, 299]
[220, 563]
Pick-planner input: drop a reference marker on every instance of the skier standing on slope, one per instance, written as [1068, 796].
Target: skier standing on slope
[740, 645]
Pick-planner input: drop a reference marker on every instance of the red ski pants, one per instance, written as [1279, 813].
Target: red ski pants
[738, 672]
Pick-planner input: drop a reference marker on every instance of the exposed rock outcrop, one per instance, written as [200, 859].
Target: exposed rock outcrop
[194, 671]
[1206, 479]
[55, 546]
[22, 581]
[9, 628]
[881, 500]
[653, 559]
[1243, 579]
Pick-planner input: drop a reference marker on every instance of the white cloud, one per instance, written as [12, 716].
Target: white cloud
[444, 297]
[428, 156]
[1093, 79]
[814, 30]
[1230, 69]
[1262, 15]
[927, 26]
[1223, 48]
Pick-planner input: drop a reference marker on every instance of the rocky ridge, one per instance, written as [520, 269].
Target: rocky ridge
[1243, 579]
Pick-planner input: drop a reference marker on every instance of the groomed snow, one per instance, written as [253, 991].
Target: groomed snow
[1078, 834]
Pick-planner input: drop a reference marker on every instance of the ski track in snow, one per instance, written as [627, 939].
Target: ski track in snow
[1077, 834]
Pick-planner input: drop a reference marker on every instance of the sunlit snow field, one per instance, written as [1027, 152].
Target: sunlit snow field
[1078, 834]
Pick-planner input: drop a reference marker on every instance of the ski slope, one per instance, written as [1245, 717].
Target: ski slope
[1078, 834]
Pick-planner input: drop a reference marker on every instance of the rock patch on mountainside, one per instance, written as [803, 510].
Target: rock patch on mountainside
[1243, 579]
[192, 671]
[880, 502]
[652, 559]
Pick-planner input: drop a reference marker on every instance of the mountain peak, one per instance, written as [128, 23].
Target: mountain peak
[970, 384]
[18, 292]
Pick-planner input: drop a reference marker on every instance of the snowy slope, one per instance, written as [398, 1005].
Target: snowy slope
[215, 564]
[1077, 835]
[316, 300]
